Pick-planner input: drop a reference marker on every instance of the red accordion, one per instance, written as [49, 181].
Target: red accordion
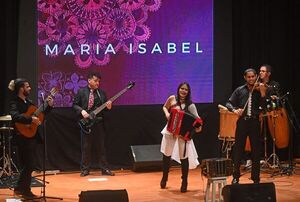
[182, 124]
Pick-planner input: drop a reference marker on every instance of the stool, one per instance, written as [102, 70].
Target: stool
[212, 182]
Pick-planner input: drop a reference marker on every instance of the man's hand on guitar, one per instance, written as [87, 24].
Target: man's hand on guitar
[85, 114]
[36, 120]
[109, 104]
[50, 101]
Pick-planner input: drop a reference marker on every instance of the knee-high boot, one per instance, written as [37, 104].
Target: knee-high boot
[185, 172]
[166, 166]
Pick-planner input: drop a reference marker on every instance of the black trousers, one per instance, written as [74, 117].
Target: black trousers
[251, 128]
[27, 156]
[92, 148]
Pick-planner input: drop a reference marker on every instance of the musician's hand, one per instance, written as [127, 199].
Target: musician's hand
[238, 111]
[85, 114]
[36, 120]
[274, 97]
[50, 101]
[109, 104]
[198, 130]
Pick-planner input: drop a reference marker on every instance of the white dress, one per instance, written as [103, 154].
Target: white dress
[174, 146]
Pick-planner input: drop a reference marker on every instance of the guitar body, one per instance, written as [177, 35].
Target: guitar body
[29, 130]
[86, 124]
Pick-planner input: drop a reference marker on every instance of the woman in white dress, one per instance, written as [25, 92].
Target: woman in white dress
[180, 150]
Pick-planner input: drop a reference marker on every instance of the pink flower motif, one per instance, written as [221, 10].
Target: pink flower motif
[51, 80]
[76, 83]
[50, 6]
[62, 26]
[131, 4]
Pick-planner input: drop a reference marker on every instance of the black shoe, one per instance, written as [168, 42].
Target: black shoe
[107, 172]
[235, 181]
[24, 194]
[29, 195]
[84, 173]
[163, 183]
[183, 187]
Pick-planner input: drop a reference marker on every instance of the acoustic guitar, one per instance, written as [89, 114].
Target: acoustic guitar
[29, 130]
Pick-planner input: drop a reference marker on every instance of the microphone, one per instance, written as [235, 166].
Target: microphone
[43, 97]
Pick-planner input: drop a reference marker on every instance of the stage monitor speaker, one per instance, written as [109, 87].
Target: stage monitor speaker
[146, 157]
[104, 196]
[263, 192]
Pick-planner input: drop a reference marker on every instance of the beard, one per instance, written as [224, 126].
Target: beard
[26, 93]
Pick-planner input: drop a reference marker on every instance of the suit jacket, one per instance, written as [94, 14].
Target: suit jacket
[81, 100]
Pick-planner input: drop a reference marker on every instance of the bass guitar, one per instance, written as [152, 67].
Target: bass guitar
[85, 124]
[29, 130]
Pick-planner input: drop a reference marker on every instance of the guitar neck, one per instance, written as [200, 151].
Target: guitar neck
[41, 109]
[103, 106]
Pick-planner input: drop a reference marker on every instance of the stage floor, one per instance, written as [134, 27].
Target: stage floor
[144, 186]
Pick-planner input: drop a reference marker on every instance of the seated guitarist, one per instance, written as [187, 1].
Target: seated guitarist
[18, 106]
[86, 100]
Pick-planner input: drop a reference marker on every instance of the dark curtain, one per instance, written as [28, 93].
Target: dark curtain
[267, 31]
[8, 62]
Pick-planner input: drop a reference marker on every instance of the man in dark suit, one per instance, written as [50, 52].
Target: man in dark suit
[86, 100]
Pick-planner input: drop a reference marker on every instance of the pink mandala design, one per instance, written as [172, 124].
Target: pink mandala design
[91, 9]
[121, 24]
[50, 6]
[97, 23]
[130, 4]
[152, 5]
[62, 26]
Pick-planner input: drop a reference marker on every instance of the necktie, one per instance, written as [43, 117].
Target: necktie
[249, 105]
[91, 99]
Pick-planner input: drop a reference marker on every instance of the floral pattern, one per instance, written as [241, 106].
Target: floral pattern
[67, 85]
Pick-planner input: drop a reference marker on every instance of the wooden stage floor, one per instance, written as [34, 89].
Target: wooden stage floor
[144, 186]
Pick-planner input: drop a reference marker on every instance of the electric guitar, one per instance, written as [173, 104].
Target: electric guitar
[29, 130]
[86, 123]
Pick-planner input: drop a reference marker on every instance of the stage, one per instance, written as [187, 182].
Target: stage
[144, 186]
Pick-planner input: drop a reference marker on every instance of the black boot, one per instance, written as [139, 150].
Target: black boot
[185, 172]
[166, 166]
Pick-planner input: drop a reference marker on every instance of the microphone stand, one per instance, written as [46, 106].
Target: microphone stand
[43, 191]
[296, 126]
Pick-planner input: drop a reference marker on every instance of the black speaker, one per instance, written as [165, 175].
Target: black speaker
[146, 157]
[104, 196]
[263, 192]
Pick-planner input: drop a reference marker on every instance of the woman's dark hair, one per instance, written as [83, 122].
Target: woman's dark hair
[188, 98]
[268, 67]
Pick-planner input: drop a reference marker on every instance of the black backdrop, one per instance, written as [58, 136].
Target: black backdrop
[248, 33]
